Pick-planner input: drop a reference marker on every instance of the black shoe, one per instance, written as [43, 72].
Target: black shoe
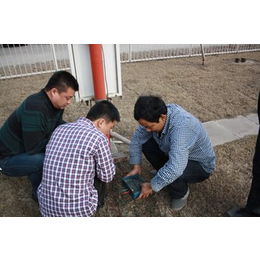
[238, 212]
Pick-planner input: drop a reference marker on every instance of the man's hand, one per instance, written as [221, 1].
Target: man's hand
[146, 190]
[136, 170]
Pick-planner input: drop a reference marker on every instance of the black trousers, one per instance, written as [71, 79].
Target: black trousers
[193, 173]
[101, 189]
[253, 201]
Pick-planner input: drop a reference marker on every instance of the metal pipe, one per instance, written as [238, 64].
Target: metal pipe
[97, 71]
[120, 137]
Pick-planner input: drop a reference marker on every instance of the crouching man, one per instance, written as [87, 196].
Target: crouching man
[176, 145]
[78, 162]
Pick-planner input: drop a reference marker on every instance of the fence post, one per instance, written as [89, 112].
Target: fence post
[130, 53]
[237, 48]
[54, 56]
[202, 52]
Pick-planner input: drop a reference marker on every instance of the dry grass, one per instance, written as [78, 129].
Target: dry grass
[219, 89]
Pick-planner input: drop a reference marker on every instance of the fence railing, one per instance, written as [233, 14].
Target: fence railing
[145, 52]
[18, 60]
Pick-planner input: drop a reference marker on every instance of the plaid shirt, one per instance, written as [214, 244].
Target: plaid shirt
[75, 153]
[183, 138]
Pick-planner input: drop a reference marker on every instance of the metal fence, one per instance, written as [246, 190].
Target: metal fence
[18, 60]
[145, 52]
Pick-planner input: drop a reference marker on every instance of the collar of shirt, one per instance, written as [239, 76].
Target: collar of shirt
[171, 111]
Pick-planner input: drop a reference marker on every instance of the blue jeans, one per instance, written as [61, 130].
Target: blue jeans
[24, 165]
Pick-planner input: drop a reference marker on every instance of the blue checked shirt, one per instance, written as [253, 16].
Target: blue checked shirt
[183, 138]
[75, 153]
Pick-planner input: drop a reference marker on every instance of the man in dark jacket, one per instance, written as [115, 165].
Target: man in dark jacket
[25, 133]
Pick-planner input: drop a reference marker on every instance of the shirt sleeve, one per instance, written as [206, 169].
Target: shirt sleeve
[105, 167]
[140, 137]
[180, 143]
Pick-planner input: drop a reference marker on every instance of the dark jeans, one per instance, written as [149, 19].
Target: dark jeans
[253, 201]
[24, 165]
[101, 189]
[192, 174]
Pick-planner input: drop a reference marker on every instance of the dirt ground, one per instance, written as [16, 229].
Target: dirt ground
[219, 89]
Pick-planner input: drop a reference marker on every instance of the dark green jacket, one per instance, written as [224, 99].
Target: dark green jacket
[29, 127]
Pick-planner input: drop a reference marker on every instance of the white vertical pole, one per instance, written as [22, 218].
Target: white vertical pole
[130, 53]
[54, 56]
[237, 48]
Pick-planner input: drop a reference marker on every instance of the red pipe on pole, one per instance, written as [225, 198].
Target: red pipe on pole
[97, 71]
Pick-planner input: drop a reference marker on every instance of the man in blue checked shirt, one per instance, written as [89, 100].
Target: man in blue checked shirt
[176, 145]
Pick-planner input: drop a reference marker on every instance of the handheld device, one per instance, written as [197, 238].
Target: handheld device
[133, 183]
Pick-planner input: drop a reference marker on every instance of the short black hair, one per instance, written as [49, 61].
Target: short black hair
[62, 80]
[149, 108]
[104, 109]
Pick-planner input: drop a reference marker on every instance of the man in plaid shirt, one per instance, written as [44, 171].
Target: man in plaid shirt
[78, 162]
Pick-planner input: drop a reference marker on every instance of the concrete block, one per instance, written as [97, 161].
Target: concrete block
[253, 118]
[218, 134]
[239, 126]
